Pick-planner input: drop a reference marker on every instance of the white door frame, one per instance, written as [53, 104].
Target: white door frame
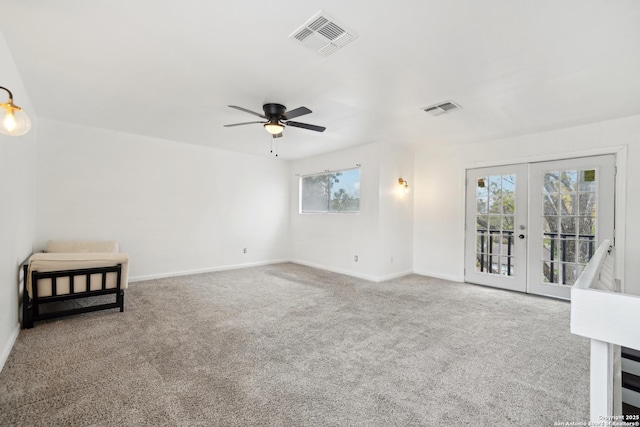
[604, 167]
[514, 281]
[620, 152]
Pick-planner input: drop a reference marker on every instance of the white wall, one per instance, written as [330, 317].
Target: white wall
[395, 212]
[175, 208]
[17, 204]
[439, 196]
[376, 234]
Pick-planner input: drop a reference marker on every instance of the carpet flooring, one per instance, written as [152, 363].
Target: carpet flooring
[289, 345]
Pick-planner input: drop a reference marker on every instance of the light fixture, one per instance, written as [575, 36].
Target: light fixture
[404, 184]
[273, 127]
[13, 121]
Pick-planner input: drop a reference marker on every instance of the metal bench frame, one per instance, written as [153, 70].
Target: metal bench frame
[31, 303]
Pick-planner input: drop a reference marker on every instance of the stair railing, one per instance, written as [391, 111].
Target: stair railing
[609, 319]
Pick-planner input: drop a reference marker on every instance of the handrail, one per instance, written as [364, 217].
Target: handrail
[609, 318]
[589, 277]
[598, 311]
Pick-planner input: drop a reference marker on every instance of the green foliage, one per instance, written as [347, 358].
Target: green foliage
[343, 202]
[319, 194]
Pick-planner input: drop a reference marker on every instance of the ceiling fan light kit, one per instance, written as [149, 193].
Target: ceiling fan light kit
[273, 128]
[277, 117]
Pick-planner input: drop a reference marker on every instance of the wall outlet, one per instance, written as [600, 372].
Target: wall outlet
[244, 251]
[355, 258]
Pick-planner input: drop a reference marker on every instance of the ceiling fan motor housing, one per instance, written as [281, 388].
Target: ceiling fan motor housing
[271, 110]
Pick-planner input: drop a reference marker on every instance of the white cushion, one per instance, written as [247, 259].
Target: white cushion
[57, 246]
[46, 262]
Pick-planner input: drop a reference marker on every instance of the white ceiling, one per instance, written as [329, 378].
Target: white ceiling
[168, 69]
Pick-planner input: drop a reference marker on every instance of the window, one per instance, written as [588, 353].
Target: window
[331, 192]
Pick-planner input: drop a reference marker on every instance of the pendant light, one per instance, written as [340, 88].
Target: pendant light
[13, 120]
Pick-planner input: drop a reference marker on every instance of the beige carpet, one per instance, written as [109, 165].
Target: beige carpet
[287, 345]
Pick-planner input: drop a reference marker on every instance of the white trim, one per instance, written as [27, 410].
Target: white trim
[203, 270]
[376, 279]
[620, 217]
[6, 350]
[336, 270]
[516, 281]
[279, 261]
[620, 153]
[327, 212]
[449, 277]
[614, 149]
[606, 316]
[601, 380]
[463, 228]
[327, 172]
[394, 276]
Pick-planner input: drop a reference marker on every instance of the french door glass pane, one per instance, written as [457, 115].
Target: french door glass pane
[495, 217]
[569, 224]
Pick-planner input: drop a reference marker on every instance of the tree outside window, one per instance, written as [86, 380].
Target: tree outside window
[332, 192]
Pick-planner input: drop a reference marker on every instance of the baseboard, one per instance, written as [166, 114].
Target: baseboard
[6, 350]
[449, 277]
[335, 270]
[368, 277]
[202, 270]
[394, 276]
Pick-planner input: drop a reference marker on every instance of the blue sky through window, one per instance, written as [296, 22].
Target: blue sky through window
[350, 181]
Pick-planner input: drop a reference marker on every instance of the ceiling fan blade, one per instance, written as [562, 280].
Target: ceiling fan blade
[297, 112]
[278, 135]
[306, 126]
[241, 124]
[248, 111]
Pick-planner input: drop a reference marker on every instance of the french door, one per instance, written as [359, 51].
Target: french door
[533, 227]
[496, 216]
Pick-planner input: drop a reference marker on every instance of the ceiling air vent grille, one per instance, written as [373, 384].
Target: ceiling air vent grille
[323, 34]
[331, 31]
[442, 108]
[303, 34]
[318, 23]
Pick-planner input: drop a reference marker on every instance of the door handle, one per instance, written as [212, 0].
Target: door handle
[521, 236]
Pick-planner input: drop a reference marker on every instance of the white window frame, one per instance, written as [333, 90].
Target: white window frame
[327, 212]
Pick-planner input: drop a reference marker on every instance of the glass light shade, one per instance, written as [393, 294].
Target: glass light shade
[404, 185]
[273, 128]
[13, 121]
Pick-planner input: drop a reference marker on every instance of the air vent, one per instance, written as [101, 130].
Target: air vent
[323, 34]
[440, 109]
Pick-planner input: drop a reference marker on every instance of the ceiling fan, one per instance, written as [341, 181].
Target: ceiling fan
[277, 117]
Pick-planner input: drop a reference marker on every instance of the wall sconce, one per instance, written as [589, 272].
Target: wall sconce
[13, 121]
[404, 184]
